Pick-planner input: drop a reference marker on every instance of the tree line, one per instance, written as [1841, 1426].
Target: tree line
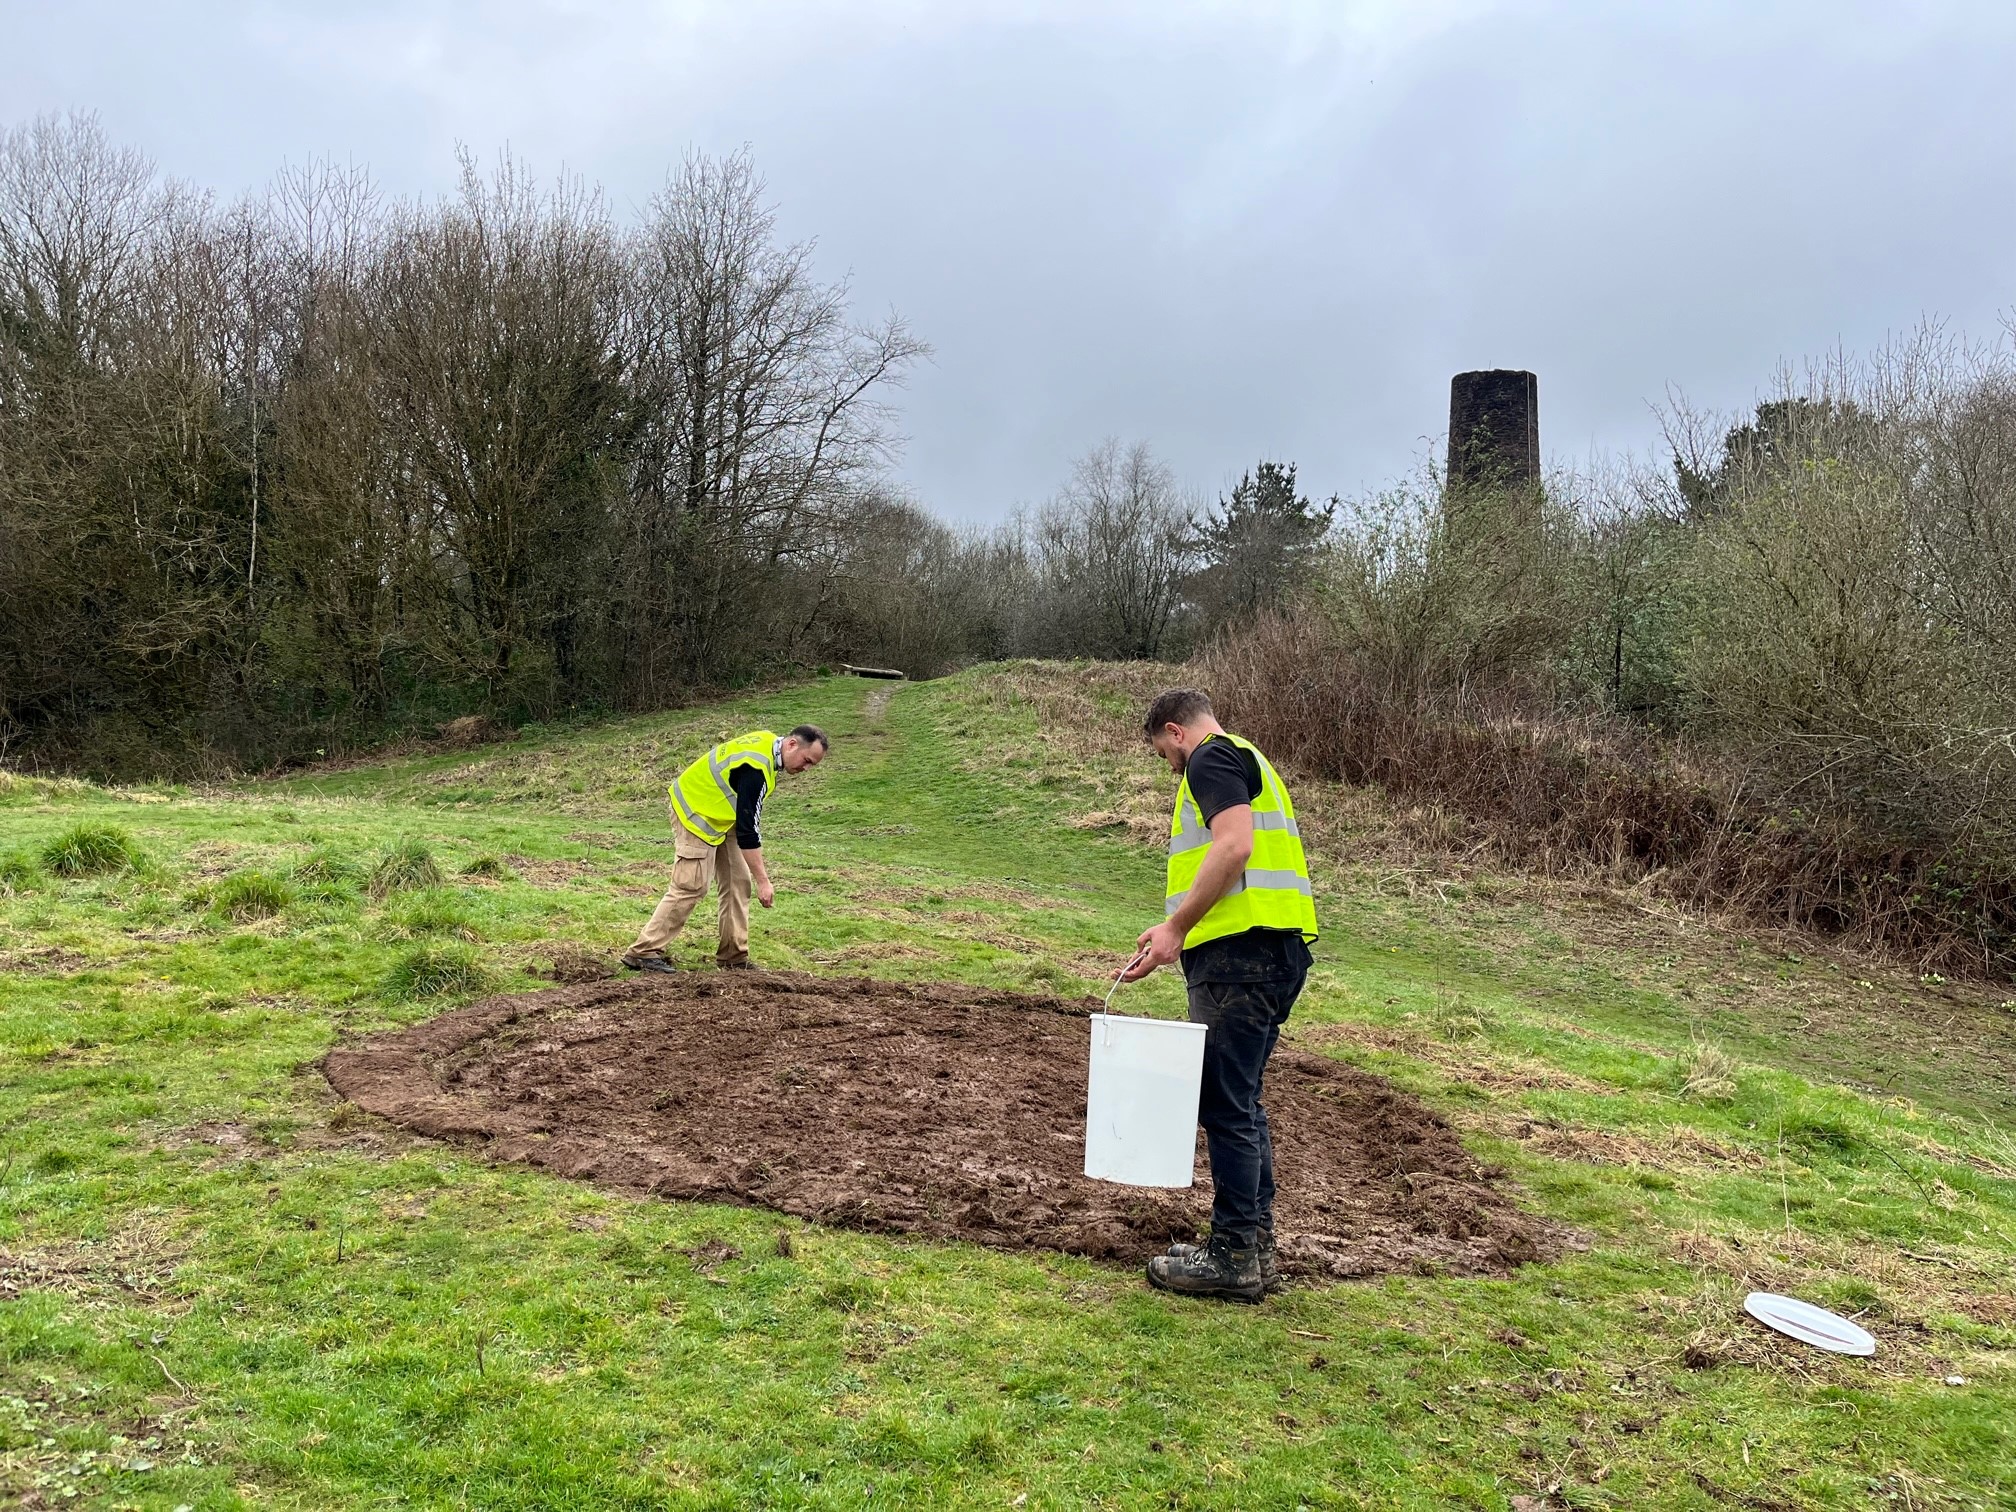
[292, 473]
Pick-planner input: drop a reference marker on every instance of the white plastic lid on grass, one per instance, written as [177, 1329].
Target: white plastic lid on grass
[1809, 1324]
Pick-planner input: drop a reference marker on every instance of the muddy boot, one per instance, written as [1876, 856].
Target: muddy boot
[1216, 1270]
[1270, 1268]
[650, 963]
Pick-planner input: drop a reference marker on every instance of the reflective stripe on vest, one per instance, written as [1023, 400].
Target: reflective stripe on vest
[1273, 890]
[703, 797]
[1191, 833]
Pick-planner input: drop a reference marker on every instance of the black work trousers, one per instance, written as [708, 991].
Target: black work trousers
[1244, 1020]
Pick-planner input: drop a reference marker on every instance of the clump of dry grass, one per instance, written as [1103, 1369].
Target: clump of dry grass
[1454, 1018]
[1708, 1073]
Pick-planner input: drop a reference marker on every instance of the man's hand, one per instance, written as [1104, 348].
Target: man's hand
[759, 877]
[1160, 946]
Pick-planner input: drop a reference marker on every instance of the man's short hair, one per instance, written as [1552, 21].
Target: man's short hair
[1177, 706]
[812, 735]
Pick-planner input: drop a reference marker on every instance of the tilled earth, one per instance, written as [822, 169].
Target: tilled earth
[951, 1112]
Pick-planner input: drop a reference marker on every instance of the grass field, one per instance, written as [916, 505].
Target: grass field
[218, 1290]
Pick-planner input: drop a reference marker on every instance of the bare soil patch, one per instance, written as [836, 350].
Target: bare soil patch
[52, 960]
[570, 965]
[131, 1264]
[950, 1112]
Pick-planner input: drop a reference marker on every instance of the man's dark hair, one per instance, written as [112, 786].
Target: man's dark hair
[812, 735]
[1177, 706]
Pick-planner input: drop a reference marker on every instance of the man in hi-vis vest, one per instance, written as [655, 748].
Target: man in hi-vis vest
[1241, 915]
[717, 806]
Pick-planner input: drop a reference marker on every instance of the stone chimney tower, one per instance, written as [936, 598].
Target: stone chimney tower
[1494, 431]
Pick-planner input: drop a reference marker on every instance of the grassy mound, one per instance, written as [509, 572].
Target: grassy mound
[410, 863]
[246, 896]
[88, 849]
[435, 970]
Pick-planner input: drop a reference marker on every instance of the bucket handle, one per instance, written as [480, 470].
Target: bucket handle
[1107, 1006]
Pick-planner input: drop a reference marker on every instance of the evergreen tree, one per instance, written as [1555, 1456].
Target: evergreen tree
[1258, 543]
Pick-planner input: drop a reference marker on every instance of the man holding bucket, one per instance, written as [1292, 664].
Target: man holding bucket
[1241, 916]
[715, 800]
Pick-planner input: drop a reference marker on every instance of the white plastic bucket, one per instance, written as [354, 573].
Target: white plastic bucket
[1141, 1100]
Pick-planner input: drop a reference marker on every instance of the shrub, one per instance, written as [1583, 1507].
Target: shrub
[432, 970]
[408, 864]
[1575, 795]
[245, 896]
[18, 873]
[91, 850]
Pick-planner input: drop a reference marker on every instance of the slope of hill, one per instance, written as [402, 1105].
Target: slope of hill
[224, 1288]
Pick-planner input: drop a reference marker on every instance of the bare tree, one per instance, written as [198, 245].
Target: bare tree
[75, 219]
[763, 408]
[497, 319]
[1114, 550]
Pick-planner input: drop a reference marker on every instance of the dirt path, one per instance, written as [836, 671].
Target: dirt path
[952, 1112]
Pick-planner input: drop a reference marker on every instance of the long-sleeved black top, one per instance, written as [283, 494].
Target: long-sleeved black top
[747, 781]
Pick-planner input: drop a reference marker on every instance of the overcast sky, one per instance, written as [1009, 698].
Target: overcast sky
[1232, 230]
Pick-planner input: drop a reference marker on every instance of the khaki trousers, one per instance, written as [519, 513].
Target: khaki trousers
[693, 859]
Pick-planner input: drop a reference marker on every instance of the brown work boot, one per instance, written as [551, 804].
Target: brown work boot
[1270, 1268]
[1216, 1270]
[745, 964]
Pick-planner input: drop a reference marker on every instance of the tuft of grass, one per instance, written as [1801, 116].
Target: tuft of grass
[429, 911]
[326, 864]
[489, 866]
[91, 850]
[326, 875]
[410, 863]
[1708, 1073]
[434, 969]
[1454, 1018]
[245, 896]
[18, 873]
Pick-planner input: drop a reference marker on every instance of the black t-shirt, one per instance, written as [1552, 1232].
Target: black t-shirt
[1223, 775]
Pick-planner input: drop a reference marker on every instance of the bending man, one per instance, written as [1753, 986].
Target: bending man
[1241, 916]
[719, 796]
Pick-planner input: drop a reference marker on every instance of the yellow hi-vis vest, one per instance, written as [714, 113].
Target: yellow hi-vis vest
[1273, 892]
[701, 796]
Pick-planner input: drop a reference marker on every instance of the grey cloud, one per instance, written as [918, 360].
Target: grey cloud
[1230, 231]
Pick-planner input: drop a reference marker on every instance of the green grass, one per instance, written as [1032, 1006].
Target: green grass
[86, 849]
[433, 970]
[409, 863]
[18, 873]
[225, 1290]
[246, 896]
